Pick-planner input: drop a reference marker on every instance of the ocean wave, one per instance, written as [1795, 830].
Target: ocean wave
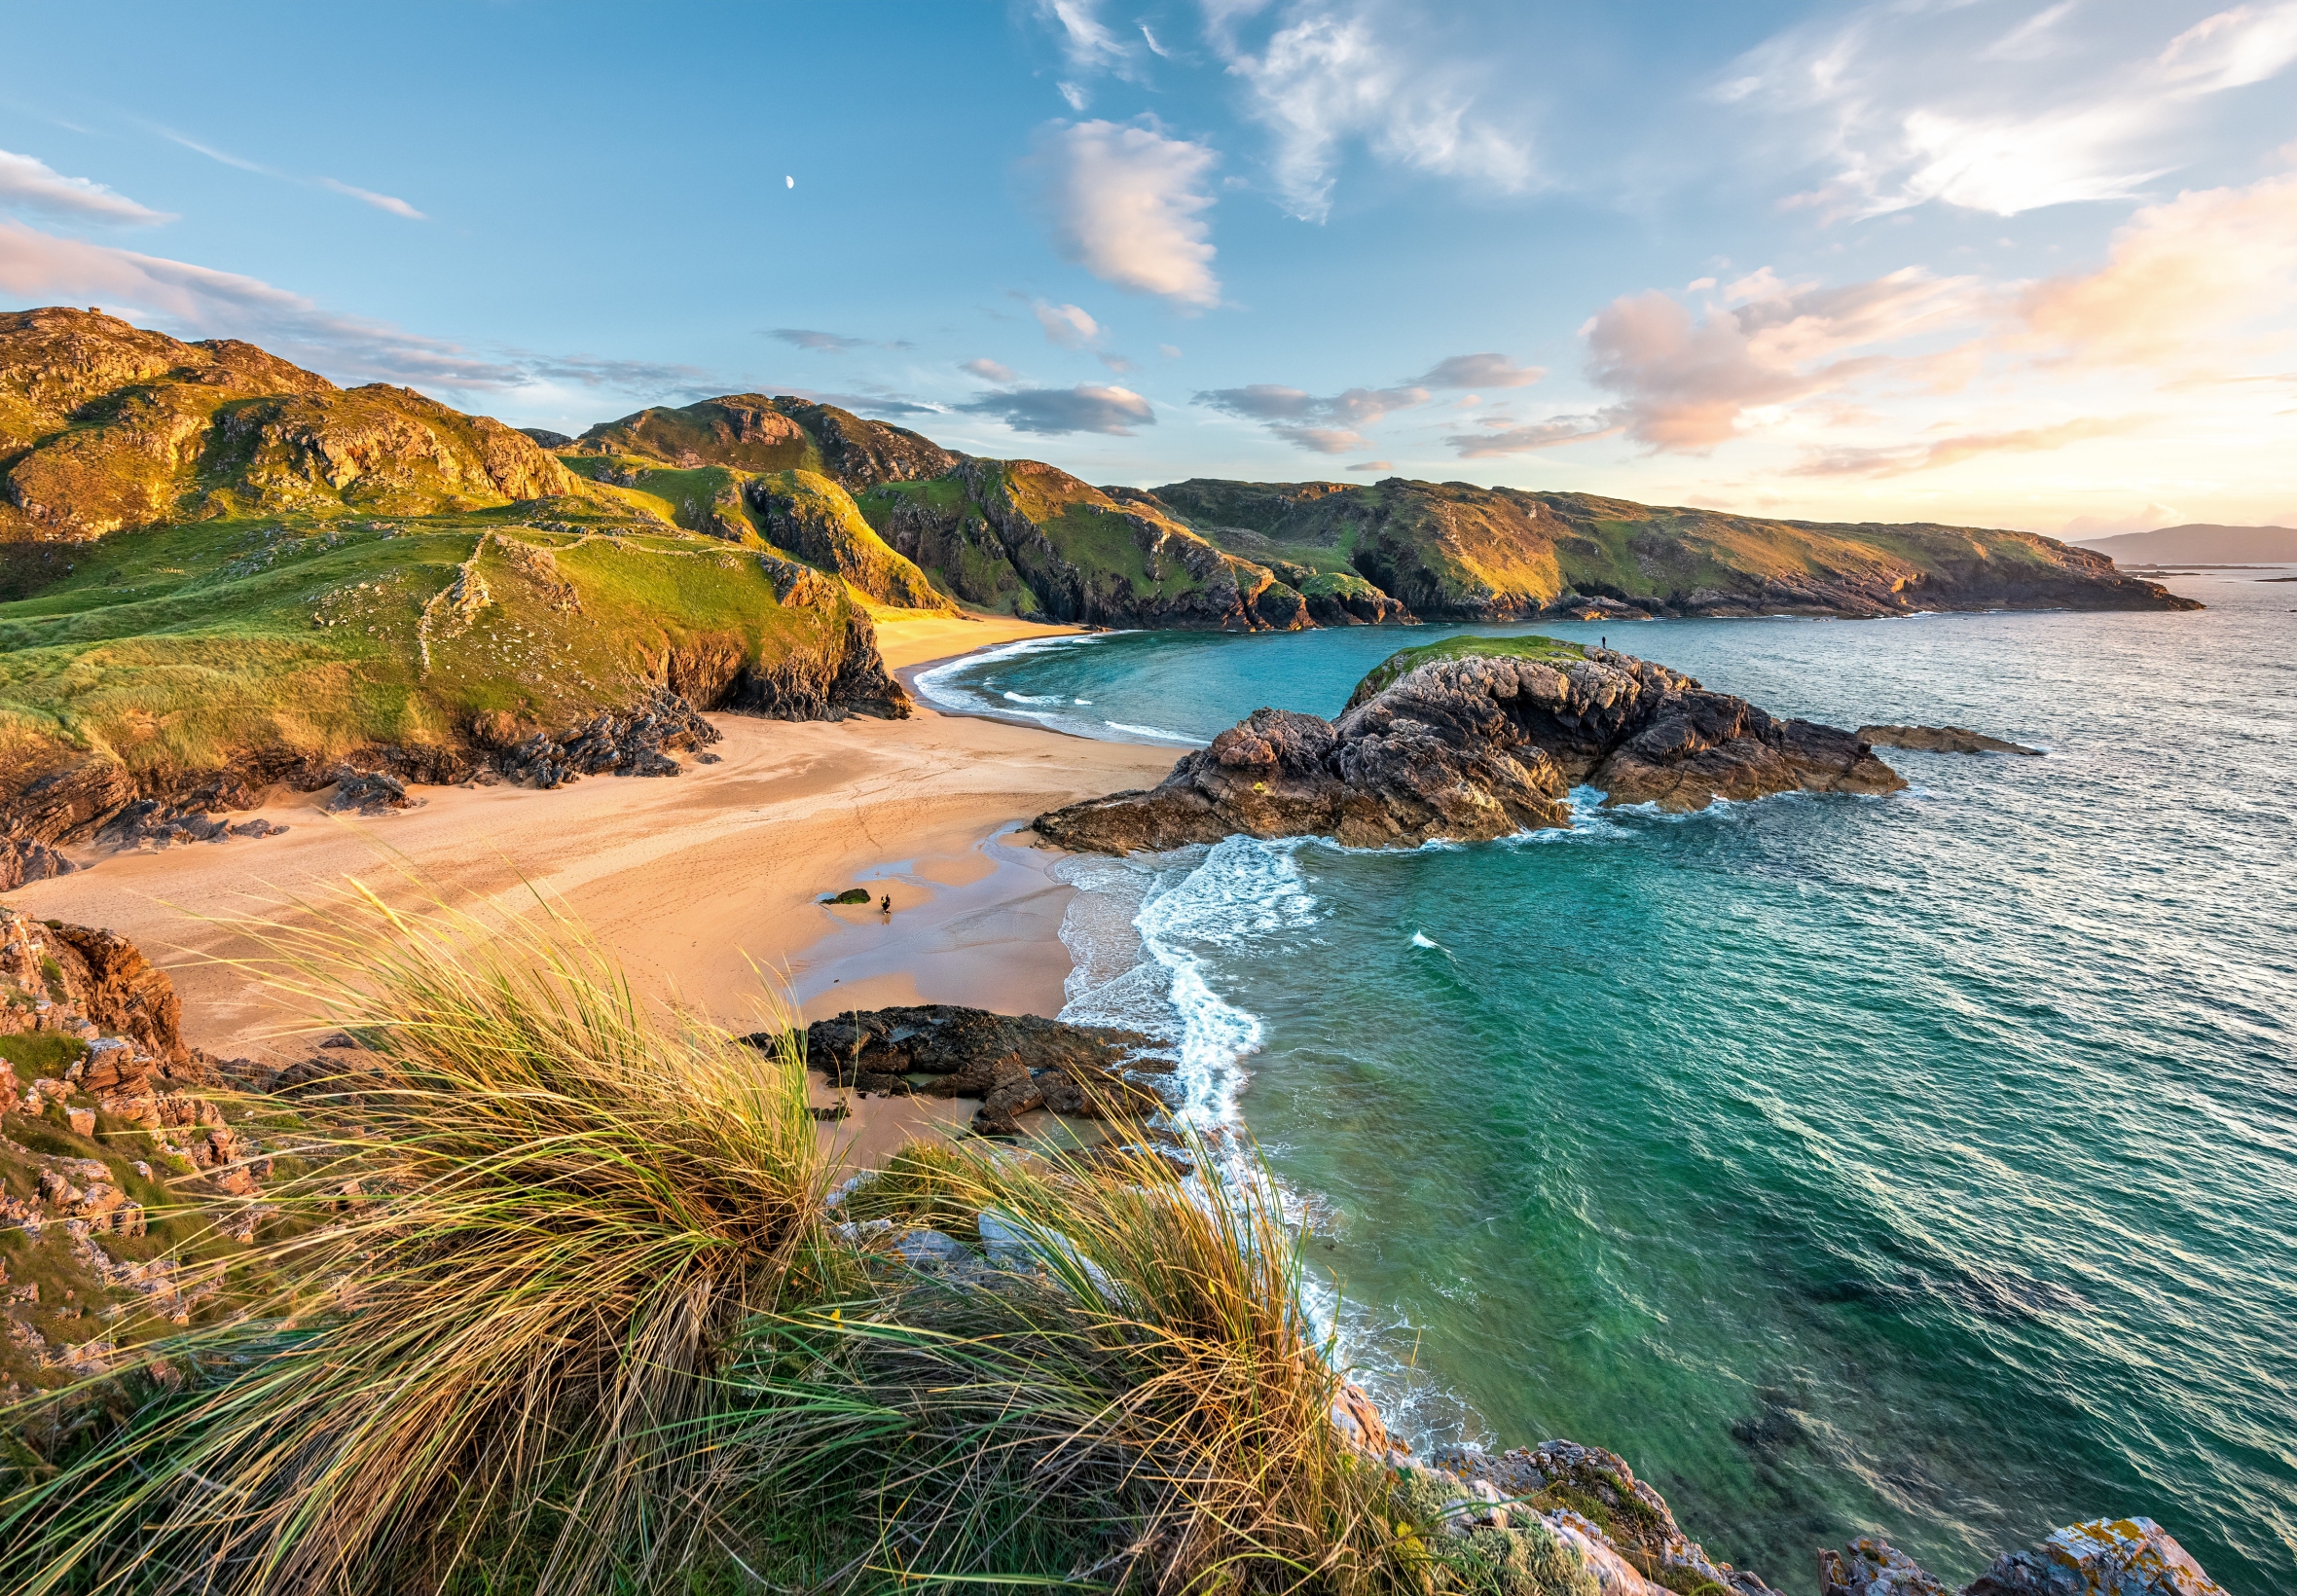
[942, 686]
[1157, 732]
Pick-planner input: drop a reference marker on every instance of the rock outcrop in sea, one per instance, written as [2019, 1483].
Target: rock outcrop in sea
[1473, 748]
[1941, 740]
[1012, 1062]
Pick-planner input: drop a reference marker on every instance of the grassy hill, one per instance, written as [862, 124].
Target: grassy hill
[1500, 552]
[275, 649]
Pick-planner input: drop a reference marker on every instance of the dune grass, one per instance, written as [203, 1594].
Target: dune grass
[570, 1313]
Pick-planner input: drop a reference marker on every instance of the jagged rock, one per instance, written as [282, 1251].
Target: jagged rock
[371, 793]
[1013, 1061]
[546, 438]
[1472, 749]
[2100, 1557]
[26, 861]
[120, 991]
[637, 744]
[1589, 1494]
[1939, 740]
[1868, 1567]
[846, 678]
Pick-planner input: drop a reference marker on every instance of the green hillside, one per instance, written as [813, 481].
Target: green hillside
[287, 644]
[1454, 548]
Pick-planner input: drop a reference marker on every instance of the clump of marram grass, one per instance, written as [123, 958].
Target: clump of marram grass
[506, 1355]
[1134, 1398]
[585, 1324]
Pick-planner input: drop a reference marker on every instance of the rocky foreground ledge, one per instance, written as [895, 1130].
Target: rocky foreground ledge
[1473, 745]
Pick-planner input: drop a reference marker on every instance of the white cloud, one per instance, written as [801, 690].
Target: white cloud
[2233, 48]
[1066, 326]
[1687, 382]
[380, 201]
[2179, 277]
[1128, 204]
[1054, 411]
[1914, 104]
[27, 184]
[1327, 77]
[1086, 41]
[1897, 461]
[990, 371]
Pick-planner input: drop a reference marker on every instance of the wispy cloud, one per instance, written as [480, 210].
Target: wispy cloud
[2180, 276]
[991, 370]
[390, 202]
[223, 157]
[1551, 433]
[1687, 382]
[1914, 104]
[1329, 76]
[1902, 461]
[1323, 424]
[1054, 411]
[196, 301]
[380, 201]
[1480, 371]
[819, 343]
[1128, 205]
[1066, 326]
[30, 185]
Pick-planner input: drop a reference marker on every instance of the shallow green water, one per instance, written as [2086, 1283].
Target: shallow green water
[1923, 1165]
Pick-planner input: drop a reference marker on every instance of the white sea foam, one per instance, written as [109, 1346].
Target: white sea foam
[1421, 939]
[1156, 732]
[1143, 934]
[1024, 698]
[941, 686]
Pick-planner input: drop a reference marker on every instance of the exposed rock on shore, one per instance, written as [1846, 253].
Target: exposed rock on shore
[636, 744]
[1939, 740]
[2101, 1557]
[1473, 748]
[1012, 1062]
[1590, 1504]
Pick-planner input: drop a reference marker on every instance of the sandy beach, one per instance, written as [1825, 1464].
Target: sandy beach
[699, 883]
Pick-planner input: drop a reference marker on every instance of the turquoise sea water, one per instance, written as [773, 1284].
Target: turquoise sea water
[1923, 1165]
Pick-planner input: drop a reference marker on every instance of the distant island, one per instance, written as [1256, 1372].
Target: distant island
[2202, 542]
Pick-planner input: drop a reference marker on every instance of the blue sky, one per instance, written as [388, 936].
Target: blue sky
[2024, 263]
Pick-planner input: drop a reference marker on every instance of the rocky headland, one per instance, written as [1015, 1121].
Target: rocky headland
[1472, 746]
[1941, 740]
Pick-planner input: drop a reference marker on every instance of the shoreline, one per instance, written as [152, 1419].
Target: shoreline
[701, 884]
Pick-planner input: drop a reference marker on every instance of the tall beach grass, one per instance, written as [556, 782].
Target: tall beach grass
[568, 1313]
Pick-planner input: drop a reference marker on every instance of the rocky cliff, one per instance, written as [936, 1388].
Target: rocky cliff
[1032, 541]
[105, 427]
[1484, 739]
